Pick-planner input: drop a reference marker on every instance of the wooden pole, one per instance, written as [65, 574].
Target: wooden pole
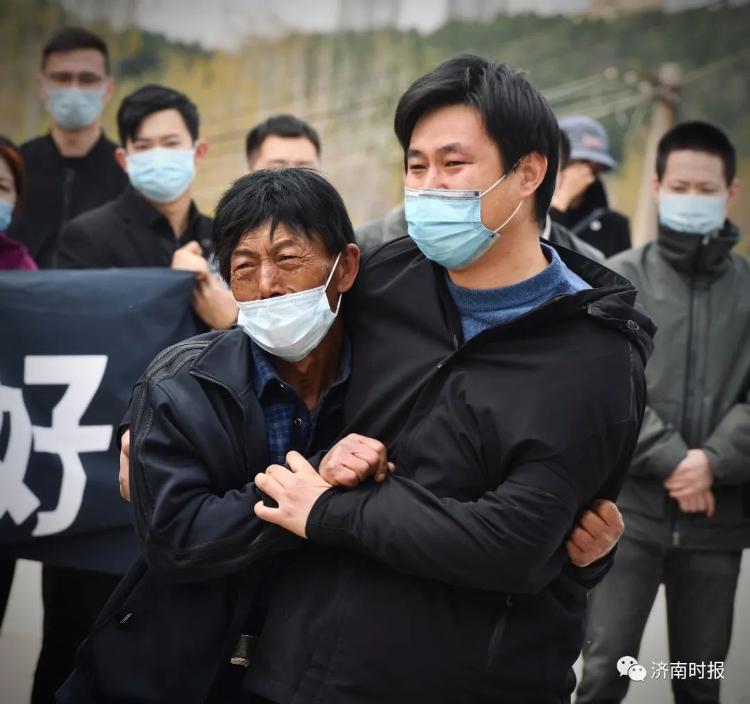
[666, 96]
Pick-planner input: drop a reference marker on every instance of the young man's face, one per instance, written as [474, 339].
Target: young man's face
[80, 68]
[450, 149]
[166, 129]
[282, 152]
[693, 172]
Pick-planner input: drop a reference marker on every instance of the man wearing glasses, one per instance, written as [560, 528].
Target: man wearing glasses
[72, 168]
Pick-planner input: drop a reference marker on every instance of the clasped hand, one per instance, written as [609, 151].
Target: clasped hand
[352, 460]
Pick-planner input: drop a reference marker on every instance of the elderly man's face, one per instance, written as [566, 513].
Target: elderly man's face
[263, 266]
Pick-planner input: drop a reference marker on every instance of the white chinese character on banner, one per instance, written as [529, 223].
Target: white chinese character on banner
[66, 437]
[16, 499]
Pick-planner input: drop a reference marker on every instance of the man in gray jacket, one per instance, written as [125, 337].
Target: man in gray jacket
[685, 502]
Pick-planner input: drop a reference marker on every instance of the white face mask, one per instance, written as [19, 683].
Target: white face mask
[290, 326]
[692, 214]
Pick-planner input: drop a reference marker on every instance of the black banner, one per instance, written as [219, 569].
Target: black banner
[72, 344]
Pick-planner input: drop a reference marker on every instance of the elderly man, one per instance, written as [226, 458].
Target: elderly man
[212, 412]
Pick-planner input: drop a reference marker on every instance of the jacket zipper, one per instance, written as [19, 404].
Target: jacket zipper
[67, 189]
[457, 350]
[688, 369]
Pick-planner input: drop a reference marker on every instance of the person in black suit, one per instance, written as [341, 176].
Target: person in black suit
[155, 221]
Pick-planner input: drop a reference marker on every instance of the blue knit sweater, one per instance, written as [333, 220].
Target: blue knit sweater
[484, 308]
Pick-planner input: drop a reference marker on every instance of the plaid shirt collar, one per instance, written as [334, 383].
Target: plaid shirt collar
[264, 373]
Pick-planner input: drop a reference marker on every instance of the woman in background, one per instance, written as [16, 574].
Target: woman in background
[13, 255]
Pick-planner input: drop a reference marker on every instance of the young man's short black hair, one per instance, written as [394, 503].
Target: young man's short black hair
[564, 150]
[280, 126]
[300, 199]
[515, 114]
[72, 38]
[699, 137]
[149, 99]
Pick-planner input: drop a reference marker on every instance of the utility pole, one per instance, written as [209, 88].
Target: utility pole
[666, 97]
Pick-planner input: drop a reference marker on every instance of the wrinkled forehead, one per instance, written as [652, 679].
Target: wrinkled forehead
[272, 238]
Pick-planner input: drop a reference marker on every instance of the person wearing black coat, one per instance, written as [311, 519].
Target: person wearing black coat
[580, 203]
[72, 169]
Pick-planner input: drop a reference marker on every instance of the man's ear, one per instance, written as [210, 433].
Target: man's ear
[656, 187]
[120, 156]
[532, 170]
[349, 267]
[40, 87]
[201, 149]
[109, 89]
[734, 189]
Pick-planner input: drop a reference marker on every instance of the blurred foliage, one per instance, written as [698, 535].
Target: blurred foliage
[347, 84]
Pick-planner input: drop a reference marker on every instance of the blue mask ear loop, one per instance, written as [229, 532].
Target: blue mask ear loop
[517, 208]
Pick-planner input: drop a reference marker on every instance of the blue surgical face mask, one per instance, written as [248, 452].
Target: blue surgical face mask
[290, 326]
[6, 213]
[161, 174]
[692, 214]
[75, 108]
[447, 226]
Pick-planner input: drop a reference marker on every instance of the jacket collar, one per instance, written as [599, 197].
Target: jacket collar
[102, 149]
[227, 361]
[135, 207]
[610, 300]
[695, 254]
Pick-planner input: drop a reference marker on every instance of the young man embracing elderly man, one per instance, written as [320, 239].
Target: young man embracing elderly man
[503, 377]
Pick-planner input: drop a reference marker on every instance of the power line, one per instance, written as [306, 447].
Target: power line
[700, 73]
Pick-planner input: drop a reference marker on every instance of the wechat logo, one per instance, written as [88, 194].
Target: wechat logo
[629, 666]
